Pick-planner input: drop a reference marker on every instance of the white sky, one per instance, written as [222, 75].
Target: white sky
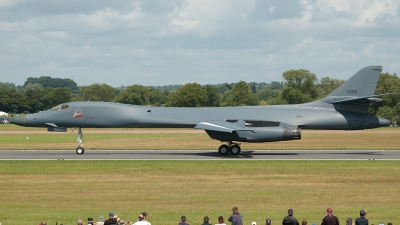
[164, 42]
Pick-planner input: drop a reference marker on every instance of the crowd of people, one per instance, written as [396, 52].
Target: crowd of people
[235, 219]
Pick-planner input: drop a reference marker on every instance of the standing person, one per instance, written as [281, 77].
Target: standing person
[183, 221]
[206, 221]
[330, 219]
[220, 221]
[144, 214]
[90, 221]
[101, 221]
[289, 219]
[236, 218]
[110, 219]
[80, 222]
[268, 222]
[362, 220]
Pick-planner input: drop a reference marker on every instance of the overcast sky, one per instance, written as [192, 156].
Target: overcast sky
[162, 42]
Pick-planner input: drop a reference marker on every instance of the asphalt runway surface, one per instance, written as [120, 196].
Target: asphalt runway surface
[200, 155]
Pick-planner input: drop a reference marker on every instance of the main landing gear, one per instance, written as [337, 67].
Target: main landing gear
[80, 150]
[231, 147]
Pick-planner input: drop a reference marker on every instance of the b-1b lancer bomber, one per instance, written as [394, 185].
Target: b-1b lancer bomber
[346, 108]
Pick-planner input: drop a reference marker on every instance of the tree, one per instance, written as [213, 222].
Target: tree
[327, 85]
[98, 92]
[241, 94]
[300, 86]
[30, 86]
[213, 98]
[8, 86]
[389, 108]
[135, 95]
[188, 95]
[35, 99]
[55, 96]
[47, 81]
[12, 100]
[157, 97]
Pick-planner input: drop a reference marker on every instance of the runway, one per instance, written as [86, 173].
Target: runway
[200, 155]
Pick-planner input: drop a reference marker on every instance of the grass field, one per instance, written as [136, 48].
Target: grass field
[63, 191]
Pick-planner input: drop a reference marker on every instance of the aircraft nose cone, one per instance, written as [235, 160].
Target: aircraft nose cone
[20, 120]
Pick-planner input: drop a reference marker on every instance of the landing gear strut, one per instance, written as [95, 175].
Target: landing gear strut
[234, 148]
[80, 150]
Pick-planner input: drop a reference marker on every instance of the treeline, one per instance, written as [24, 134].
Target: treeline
[298, 86]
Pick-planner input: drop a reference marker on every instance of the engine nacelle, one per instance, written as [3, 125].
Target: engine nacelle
[258, 134]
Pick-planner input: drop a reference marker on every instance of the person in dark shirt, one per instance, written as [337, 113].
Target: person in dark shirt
[236, 218]
[362, 220]
[110, 219]
[289, 219]
[206, 221]
[183, 221]
[330, 219]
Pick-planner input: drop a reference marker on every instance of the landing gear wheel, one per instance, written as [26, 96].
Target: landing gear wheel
[223, 149]
[80, 150]
[235, 149]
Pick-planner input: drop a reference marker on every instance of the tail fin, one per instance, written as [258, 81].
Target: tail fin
[356, 93]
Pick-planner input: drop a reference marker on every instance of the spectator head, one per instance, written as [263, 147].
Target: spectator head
[90, 220]
[221, 219]
[206, 219]
[290, 212]
[79, 222]
[304, 222]
[141, 217]
[111, 214]
[144, 213]
[329, 211]
[235, 209]
[362, 212]
[43, 223]
[349, 221]
[183, 218]
[268, 222]
[389, 223]
[121, 222]
[253, 223]
[101, 218]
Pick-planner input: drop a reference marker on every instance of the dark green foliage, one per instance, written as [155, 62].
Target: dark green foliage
[390, 106]
[300, 86]
[188, 95]
[98, 92]
[135, 95]
[47, 81]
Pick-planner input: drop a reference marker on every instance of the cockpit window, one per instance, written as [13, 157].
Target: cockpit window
[60, 107]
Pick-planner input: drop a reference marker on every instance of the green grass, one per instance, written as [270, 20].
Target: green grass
[63, 191]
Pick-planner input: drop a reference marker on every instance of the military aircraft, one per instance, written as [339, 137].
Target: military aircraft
[346, 108]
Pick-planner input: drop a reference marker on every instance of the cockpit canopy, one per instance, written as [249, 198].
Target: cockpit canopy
[60, 107]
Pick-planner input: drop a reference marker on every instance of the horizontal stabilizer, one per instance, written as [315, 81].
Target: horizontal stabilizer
[362, 99]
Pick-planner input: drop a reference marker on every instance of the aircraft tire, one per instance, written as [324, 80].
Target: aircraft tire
[80, 150]
[235, 149]
[223, 149]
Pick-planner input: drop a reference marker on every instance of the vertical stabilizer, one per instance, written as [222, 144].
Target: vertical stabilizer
[356, 94]
[363, 83]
